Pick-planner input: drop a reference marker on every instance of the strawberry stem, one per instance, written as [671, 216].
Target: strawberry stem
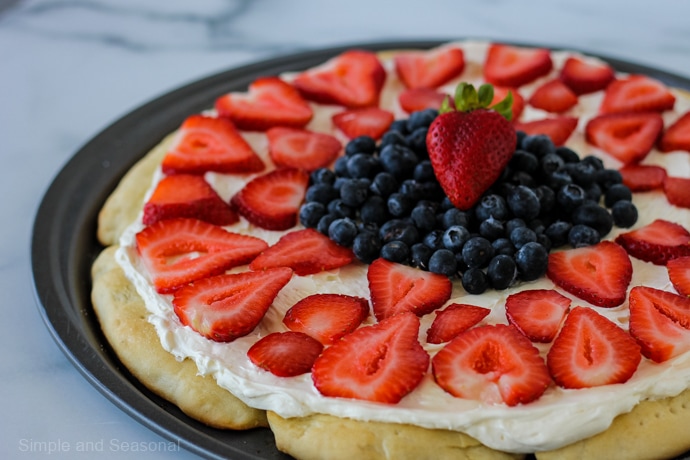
[467, 99]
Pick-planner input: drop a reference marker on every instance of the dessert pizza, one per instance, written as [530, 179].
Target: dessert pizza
[474, 251]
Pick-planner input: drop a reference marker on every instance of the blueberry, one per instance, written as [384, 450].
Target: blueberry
[567, 154]
[321, 193]
[311, 213]
[411, 188]
[393, 138]
[454, 216]
[420, 254]
[455, 237]
[492, 205]
[594, 192]
[538, 144]
[424, 172]
[503, 246]
[361, 144]
[340, 209]
[475, 281]
[342, 231]
[399, 204]
[557, 232]
[396, 251]
[501, 272]
[514, 223]
[354, 192]
[531, 260]
[399, 126]
[583, 235]
[624, 214]
[443, 262]
[608, 177]
[398, 160]
[477, 252]
[550, 163]
[491, 229]
[399, 229]
[594, 161]
[616, 193]
[416, 140]
[325, 222]
[594, 216]
[383, 184]
[424, 216]
[583, 174]
[547, 198]
[434, 239]
[366, 247]
[523, 203]
[322, 176]
[374, 210]
[522, 178]
[523, 160]
[570, 196]
[421, 119]
[362, 165]
[340, 167]
[521, 236]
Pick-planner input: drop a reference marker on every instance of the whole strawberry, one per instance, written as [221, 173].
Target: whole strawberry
[470, 143]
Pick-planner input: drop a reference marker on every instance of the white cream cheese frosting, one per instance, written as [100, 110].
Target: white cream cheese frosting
[558, 418]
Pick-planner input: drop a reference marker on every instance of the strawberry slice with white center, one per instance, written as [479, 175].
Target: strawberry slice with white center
[397, 288]
[351, 79]
[176, 252]
[382, 363]
[301, 148]
[285, 354]
[677, 190]
[677, 136]
[537, 313]
[599, 274]
[591, 351]
[679, 274]
[225, 307]
[305, 251]
[269, 102]
[558, 128]
[553, 96]
[327, 317]
[660, 337]
[453, 320]
[515, 66]
[429, 69]
[657, 242]
[210, 144]
[272, 201]
[186, 195]
[416, 99]
[494, 364]
[584, 77]
[643, 178]
[369, 121]
[637, 93]
[628, 137]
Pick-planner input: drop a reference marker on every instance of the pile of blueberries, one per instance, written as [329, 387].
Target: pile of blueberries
[383, 200]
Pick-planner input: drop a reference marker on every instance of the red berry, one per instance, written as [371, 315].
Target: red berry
[453, 320]
[327, 317]
[516, 66]
[285, 354]
[657, 242]
[537, 313]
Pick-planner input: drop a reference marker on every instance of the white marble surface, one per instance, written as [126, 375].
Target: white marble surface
[69, 68]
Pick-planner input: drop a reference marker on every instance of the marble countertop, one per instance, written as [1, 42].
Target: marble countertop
[69, 68]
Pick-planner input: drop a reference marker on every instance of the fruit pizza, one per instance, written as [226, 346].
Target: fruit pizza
[478, 250]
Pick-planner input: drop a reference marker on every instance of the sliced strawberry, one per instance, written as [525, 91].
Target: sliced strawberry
[285, 354]
[416, 99]
[369, 121]
[186, 195]
[599, 274]
[657, 242]
[453, 320]
[500, 93]
[210, 144]
[327, 317]
[269, 102]
[515, 66]
[397, 288]
[225, 307]
[586, 77]
[628, 137]
[494, 364]
[553, 96]
[558, 128]
[176, 252]
[590, 351]
[382, 363]
[643, 178]
[429, 69]
[679, 274]
[351, 79]
[302, 149]
[305, 251]
[677, 136]
[660, 337]
[272, 201]
[677, 190]
[637, 93]
[537, 313]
